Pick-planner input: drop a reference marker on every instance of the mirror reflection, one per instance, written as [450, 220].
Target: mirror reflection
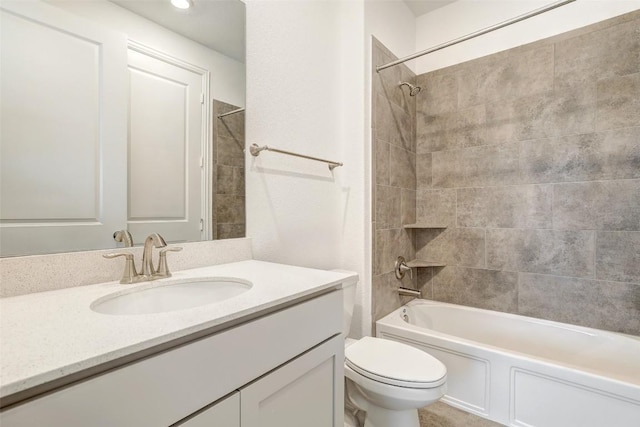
[120, 115]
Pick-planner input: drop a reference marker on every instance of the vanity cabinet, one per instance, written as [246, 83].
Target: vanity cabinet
[223, 413]
[281, 369]
[303, 392]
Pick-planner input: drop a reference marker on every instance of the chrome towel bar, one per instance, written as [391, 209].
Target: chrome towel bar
[239, 110]
[255, 151]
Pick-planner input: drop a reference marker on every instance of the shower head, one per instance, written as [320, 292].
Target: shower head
[413, 90]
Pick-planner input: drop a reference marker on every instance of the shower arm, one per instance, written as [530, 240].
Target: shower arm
[476, 34]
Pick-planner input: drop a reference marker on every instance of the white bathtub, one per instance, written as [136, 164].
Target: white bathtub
[521, 371]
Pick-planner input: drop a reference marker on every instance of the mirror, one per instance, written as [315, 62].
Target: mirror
[120, 115]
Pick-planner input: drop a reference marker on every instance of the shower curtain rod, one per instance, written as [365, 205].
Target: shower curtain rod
[476, 34]
[239, 110]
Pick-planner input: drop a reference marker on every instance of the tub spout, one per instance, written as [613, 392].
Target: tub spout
[409, 292]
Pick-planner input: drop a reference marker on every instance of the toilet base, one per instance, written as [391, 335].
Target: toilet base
[376, 415]
[380, 417]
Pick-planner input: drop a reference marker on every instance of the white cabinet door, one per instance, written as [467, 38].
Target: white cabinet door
[63, 131]
[307, 391]
[225, 413]
[166, 139]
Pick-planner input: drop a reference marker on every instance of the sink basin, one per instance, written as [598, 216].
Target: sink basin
[171, 296]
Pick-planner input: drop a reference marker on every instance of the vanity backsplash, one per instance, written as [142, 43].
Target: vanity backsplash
[39, 273]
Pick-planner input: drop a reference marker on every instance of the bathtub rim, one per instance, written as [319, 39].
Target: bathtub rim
[395, 321]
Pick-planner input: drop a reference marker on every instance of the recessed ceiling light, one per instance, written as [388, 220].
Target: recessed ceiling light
[181, 4]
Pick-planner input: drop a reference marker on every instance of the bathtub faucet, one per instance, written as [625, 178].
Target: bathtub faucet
[409, 292]
[401, 268]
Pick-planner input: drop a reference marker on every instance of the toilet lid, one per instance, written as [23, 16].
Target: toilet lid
[394, 363]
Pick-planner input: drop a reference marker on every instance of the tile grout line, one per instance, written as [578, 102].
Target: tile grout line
[517, 141]
[485, 249]
[595, 254]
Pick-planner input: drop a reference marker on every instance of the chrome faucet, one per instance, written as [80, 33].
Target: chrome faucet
[154, 240]
[148, 272]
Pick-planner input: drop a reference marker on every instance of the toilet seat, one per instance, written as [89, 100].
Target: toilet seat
[394, 363]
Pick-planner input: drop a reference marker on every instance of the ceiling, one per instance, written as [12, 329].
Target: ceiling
[217, 24]
[420, 7]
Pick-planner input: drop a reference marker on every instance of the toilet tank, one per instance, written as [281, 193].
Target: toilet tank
[349, 301]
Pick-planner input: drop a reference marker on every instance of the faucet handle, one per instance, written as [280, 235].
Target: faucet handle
[130, 275]
[401, 268]
[163, 267]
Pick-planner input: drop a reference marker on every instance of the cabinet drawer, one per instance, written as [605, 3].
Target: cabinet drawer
[167, 387]
[224, 413]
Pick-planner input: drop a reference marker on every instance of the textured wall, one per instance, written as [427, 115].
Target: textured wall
[228, 160]
[532, 157]
[305, 92]
[394, 171]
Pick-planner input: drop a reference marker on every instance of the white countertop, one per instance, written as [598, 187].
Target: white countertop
[49, 335]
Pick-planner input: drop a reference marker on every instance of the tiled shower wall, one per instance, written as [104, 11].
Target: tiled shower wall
[532, 158]
[394, 169]
[228, 161]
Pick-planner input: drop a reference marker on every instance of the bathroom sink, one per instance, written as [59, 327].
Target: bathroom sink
[171, 296]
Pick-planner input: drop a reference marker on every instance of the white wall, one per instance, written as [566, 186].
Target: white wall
[393, 23]
[227, 75]
[305, 94]
[466, 16]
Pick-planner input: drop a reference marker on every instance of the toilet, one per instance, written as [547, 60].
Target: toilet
[386, 380]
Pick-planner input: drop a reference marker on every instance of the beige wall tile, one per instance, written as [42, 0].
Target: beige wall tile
[436, 207]
[609, 52]
[562, 112]
[402, 168]
[515, 206]
[595, 156]
[423, 170]
[438, 95]
[408, 204]
[488, 289]
[230, 151]
[381, 171]
[388, 211]
[230, 208]
[610, 305]
[490, 165]
[565, 253]
[230, 231]
[453, 246]
[504, 77]
[393, 124]
[618, 256]
[446, 169]
[599, 205]
[437, 132]
[618, 102]
[555, 113]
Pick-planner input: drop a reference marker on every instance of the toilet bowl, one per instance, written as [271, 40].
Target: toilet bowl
[386, 382]
[389, 381]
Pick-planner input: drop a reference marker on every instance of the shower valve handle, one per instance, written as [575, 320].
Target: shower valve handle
[401, 268]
